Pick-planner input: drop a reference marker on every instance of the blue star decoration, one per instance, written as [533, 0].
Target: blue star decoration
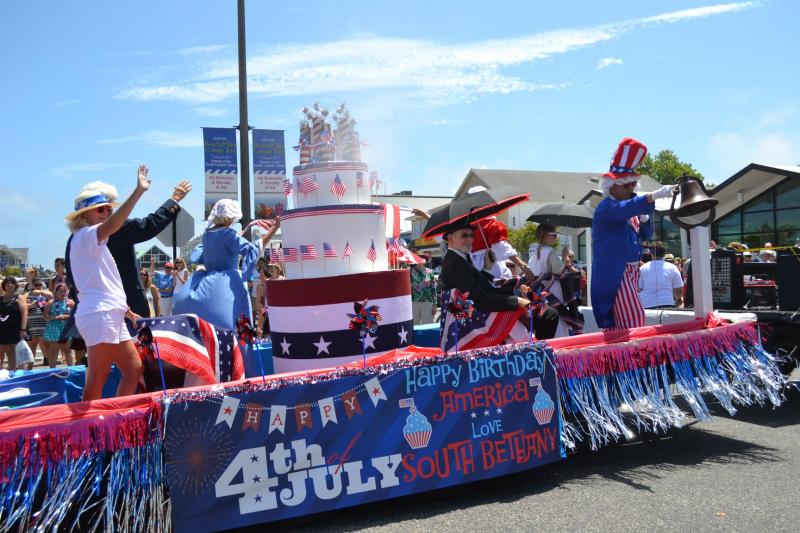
[256, 479]
[258, 498]
[254, 459]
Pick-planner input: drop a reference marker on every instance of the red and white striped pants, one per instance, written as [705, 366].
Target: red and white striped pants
[628, 311]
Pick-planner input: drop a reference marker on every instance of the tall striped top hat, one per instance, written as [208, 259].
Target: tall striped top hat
[628, 155]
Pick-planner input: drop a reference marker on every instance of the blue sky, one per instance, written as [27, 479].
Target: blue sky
[90, 89]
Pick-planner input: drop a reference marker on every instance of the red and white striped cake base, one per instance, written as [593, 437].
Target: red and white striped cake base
[309, 323]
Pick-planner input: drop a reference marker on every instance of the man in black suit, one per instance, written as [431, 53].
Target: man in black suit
[458, 272]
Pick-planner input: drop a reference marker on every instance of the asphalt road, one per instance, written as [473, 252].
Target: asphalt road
[731, 474]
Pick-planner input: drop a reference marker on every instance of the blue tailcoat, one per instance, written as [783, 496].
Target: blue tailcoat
[615, 243]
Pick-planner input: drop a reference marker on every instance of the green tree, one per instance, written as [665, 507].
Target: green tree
[666, 167]
[13, 271]
[523, 237]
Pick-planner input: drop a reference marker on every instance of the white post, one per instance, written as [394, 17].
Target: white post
[588, 267]
[684, 243]
[701, 271]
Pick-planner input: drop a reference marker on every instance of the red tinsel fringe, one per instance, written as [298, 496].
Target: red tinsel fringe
[35, 449]
[654, 351]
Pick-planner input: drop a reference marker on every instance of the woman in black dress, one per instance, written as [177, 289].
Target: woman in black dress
[13, 322]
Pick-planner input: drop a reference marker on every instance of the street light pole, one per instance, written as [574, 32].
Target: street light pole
[244, 127]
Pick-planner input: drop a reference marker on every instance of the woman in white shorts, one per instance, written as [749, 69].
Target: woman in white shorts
[101, 313]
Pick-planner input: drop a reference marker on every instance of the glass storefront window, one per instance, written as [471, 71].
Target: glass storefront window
[788, 219]
[729, 224]
[788, 193]
[758, 222]
[757, 240]
[760, 203]
[725, 240]
[582, 247]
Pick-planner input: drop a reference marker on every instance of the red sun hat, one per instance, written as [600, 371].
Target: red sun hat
[628, 155]
[494, 230]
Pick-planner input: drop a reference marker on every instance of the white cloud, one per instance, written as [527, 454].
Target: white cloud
[735, 150]
[68, 171]
[212, 111]
[205, 49]
[446, 122]
[608, 61]
[66, 103]
[427, 69]
[160, 139]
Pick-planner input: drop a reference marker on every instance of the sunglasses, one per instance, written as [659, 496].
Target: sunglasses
[104, 209]
[552, 234]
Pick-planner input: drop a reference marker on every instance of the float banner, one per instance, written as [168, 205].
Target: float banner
[257, 456]
[269, 171]
[221, 167]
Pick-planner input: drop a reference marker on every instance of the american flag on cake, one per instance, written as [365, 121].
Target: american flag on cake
[338, 187]
[328, 250]
[307, 252]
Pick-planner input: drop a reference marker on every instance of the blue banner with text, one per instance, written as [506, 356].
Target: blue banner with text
[255, 456]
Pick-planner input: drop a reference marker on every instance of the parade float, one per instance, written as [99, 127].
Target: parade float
[399, 420]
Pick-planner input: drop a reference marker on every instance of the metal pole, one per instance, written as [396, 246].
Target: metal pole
[244, 127]
[701, 271]
[174, 240]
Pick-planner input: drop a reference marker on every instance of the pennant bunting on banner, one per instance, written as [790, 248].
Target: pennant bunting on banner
[351, 405]
[252, 416]
[277, 418]
[302, 415]
[227, 411]
[375, 391]
[327, 411]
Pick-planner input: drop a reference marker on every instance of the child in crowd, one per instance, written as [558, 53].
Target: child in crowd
[56, 313]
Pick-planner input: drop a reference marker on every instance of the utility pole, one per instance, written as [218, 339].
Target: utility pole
[244, 127]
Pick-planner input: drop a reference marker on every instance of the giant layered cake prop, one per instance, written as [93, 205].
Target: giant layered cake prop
[334, 252]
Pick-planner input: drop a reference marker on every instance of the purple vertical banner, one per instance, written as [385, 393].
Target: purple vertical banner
[221, 166]
[269, 170]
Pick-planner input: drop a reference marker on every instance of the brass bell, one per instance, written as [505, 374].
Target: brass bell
[694, 201]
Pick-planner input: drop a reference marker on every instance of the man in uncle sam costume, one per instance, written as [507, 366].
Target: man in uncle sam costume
[621, 221]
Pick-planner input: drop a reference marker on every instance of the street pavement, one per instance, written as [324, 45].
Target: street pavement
[730, 474]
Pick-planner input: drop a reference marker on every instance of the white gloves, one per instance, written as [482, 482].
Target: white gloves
[663, 192]
[644, 218]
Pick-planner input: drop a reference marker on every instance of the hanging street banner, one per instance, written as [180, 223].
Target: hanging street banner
[269, 171]
[250, 456]
[221, 167]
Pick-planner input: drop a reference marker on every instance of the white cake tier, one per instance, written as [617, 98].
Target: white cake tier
[361, 226]
[313, 184]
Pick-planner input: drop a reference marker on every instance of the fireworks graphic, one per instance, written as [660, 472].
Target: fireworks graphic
[197, 454]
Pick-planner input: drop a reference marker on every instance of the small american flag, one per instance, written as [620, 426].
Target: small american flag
[307, 185]
[372, 254]
[338, 187]
[373, 178]
[359, 180]
[287, 186]
[307, 252]
[290, 255]
[348, 250]
[395, 244]
[273, 255]
[328, 250]
[279, 255]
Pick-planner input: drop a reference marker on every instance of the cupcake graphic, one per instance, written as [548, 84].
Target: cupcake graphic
[543, 407]
[417, 430]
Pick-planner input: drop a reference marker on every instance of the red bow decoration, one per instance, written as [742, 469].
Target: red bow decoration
[244, 330]
[538, 303]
